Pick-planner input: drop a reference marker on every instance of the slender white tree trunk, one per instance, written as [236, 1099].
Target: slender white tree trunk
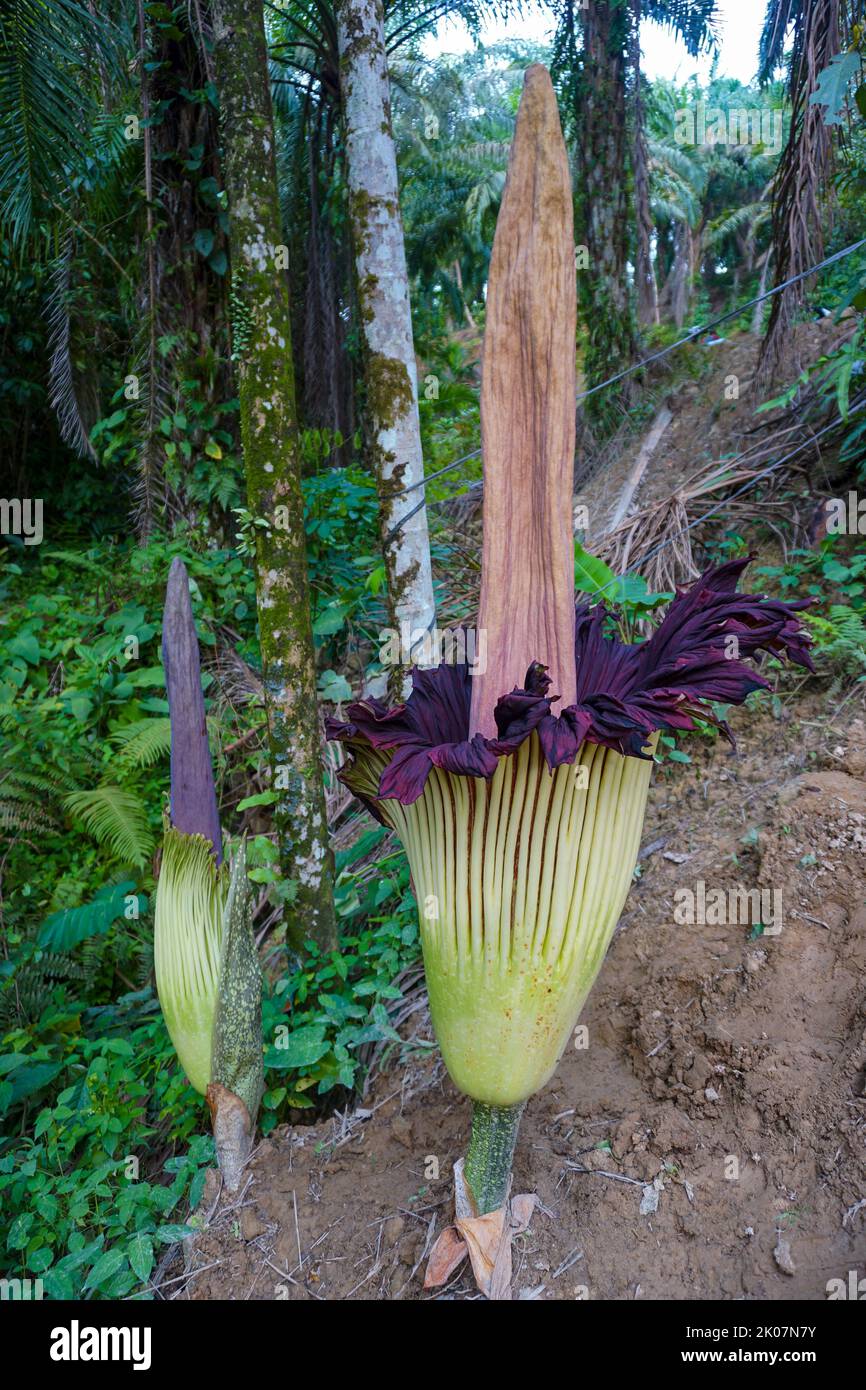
[393, 429]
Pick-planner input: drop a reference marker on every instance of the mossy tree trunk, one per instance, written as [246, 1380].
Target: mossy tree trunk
[392, 425]
[262, 350]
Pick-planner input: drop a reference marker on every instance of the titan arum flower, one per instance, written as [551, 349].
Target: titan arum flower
[519, 793]
[207, 969]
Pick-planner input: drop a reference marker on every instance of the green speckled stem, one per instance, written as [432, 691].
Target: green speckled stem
[491, 1151]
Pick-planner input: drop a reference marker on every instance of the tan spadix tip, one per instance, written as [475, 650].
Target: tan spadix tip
[527, 416]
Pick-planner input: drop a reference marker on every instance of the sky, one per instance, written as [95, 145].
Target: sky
[663, 55]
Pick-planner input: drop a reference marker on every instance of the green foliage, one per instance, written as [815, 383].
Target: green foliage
[626, 595]
[88, 1076]
[343, 555]
[450, 414]
[142, 743]
[322, 1017]
[832, 85]
[840, 641]
[72, 925]
[84, 1205]
[836, 571]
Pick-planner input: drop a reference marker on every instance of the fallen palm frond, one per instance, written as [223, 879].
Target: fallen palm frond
[657, 539]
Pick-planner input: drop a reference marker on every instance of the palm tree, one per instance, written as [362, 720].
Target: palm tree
[454, 121]
[597, 65]
[814, 29]
[109, 175]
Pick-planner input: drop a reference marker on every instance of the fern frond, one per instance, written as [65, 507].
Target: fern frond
[27, 817]
[116, 818]
[142, 743]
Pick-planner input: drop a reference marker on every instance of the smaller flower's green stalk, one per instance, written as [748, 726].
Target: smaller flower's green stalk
[487, 1169]
[210, 987]
[237, 1029]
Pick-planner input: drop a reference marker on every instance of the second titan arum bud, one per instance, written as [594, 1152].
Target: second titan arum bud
[522, 826]
[207, 969]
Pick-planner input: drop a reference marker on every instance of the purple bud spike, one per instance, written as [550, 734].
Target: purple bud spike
[193, 794]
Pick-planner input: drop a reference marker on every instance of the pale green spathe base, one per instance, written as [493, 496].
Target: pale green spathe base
[520, 882]
[188, 933]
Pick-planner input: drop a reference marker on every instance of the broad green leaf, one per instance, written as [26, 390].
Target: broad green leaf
[334, 687]
[109, 1264]
[152, 677]
[32, 1078]
[591, 575]
[173, 1232]
[25, 645]
[331, 620]
[58, 1284]
[303, 1048]
[832, 84]
[19, 1231]
[140, 1254]
[260, 799]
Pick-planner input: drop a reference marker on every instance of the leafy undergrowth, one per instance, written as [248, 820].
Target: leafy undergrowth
[108, 1153]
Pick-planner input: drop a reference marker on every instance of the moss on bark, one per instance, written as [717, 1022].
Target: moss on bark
[262, 351]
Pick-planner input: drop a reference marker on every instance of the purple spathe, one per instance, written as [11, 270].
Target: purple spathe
[193, 793]
[624, 691]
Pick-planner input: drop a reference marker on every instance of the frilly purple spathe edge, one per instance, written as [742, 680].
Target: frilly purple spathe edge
[624, 691]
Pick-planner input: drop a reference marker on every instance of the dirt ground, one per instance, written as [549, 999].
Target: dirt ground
[708, 1142]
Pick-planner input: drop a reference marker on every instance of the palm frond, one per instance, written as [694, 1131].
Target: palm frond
[486, 195]
[71, 925]
[61, 373]
[732, 222]
[44, 104]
